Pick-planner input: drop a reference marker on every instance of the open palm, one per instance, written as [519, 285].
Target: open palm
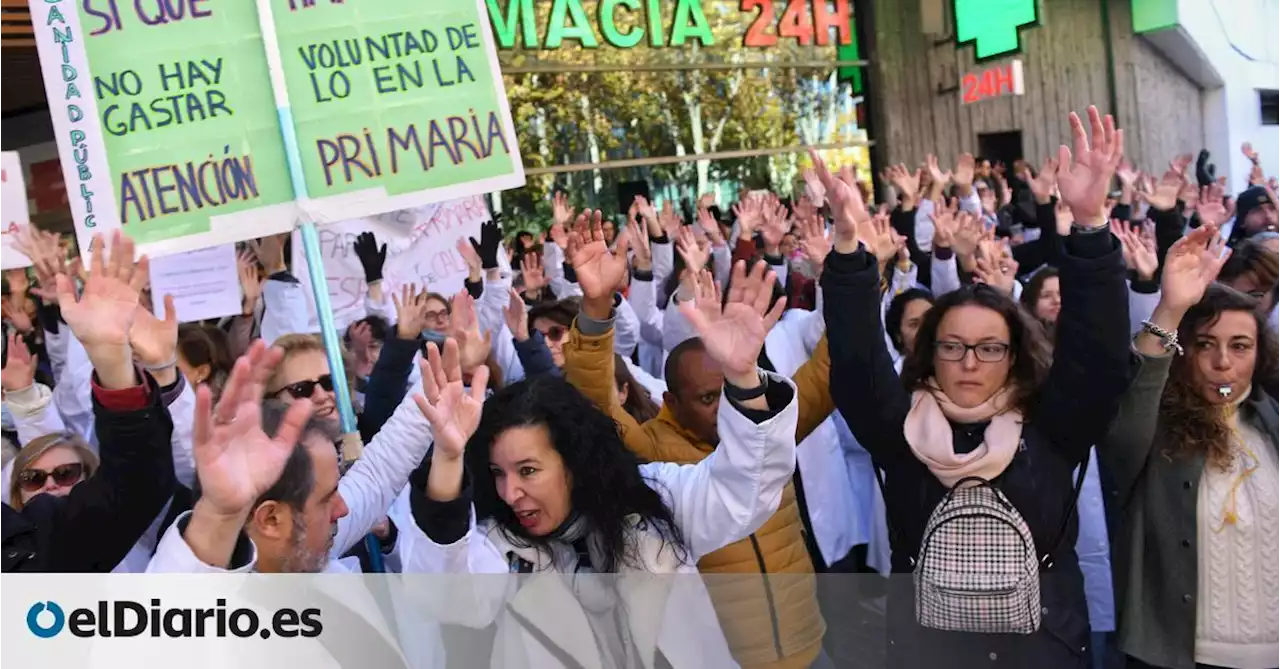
[1188, 269]
[1084, 183]
[453, 410]
[105, 312]
[847, 206]
[735, 333]
[599, 270]
[155, 340]
[235, 459]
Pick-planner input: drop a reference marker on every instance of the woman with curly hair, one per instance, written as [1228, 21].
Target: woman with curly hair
[1193, 458]
[536, 480]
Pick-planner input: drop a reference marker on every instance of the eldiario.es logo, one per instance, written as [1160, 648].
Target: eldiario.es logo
[124, 618]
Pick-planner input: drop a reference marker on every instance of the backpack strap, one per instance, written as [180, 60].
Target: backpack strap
[1046, 560]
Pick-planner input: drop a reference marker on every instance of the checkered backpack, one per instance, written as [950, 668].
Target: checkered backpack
[978, 569]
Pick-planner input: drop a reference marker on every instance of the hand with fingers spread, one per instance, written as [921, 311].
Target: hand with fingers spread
[250, 281]
[1084, 183]
[236, 460]
[646, 211]
[814, 243]
[709, 225]
[1191, 264]
[19, 367]
[847, 206]
[996, 267]
[516, 314]
[600, 271]
[878, 236]
[411, 311]
[561, 212]
[1210, 208]
[454, 413]
[734, 334]
[154, 340]
[372, 257]
[750, 214]
[14, 310]
[487, 247]
[939, 180]
[473, 347]
[1164, 194]
[642, 252]
[47, 258]
[668, 220]
[535, 279]
[813, 187]
[696, 253]
[103, 316]
[1044, 182]
[475, 267]
[1127, 175]
[906, 183]
[946, 225]
[1137, 255]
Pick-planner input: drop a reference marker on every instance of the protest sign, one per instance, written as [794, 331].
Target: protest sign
[396, 102]
[421, 250]
[204, 284]
[13, 209]
[167, 121]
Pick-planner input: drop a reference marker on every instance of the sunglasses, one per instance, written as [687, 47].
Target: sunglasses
[32, 480]
[555, 333]
[304, 389]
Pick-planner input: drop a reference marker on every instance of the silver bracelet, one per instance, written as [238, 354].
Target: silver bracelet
[1169, 340]
[162, 367]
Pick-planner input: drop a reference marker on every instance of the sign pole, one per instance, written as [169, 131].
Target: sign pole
[352, 445]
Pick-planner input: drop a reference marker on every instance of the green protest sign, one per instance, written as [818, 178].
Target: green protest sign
[167, 121]
[399, 96]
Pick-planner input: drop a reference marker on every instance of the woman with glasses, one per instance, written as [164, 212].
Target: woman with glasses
[980, 397]
[50, 465]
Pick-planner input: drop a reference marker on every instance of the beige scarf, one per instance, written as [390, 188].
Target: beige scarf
[928, 432]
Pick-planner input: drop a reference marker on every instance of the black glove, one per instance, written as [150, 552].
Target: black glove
[490, 240]
[371, 256]
[1205, 170]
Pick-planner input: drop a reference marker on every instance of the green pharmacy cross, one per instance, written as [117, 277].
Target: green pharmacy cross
[993, 25]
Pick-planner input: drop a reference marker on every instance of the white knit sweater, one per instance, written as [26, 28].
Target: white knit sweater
[1237, 606]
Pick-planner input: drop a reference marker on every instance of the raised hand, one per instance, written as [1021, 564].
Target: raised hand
[945, 226]
[905, 182]
[710, 226]
[813, 187]
[600, 271]
[668, 220]
[847, 206]
[878, 236]
[1084, 183]
[155, 340]
[236, 460]
[270, 252]
[1127, 175]
[1210, 208]
[103, 315]
[47, 257]
[996, 267]
[20, 365]
[963, 175]
[1138, 255]
[1164, 193]
[1188, 269]
[372, 257]
[516, 315]
[645, 208]
[535, 279]
[814, 243]
[968, 232]
[940, 179]
[14, 310]
[750, 214]
[694, 251]
[411, 311]
[561, 212]
[735, 333]
[473, 347]
[250, 281]
[487, 247]
[1043, 183]
[453, 410]
[642, 252]
[475, 267]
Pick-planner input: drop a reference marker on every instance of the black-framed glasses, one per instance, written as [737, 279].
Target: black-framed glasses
[954, 351]
[32, 480]
[304, 389]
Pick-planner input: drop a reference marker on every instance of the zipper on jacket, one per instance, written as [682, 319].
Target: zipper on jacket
[768, 594]
[562, 655]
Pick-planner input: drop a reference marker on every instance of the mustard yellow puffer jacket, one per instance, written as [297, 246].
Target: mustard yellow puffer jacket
[763, 587]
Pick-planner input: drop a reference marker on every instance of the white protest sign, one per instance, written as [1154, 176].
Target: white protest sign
[204, 284]
[423, 253]
[13, 207]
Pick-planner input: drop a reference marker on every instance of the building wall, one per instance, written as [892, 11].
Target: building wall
[916, 76]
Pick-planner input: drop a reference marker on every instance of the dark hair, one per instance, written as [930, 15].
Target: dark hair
[1027, 343]
[1251, 257]
[206, 345]
[898, 309]
[448, 306]
[1031, 296]
[671, 369]
[1194, 424]
[606, 483]
[639, 405]
[378, 328]
[562, 311]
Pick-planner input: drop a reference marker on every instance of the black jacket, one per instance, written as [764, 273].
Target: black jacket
[95, 526]
[1090, 373]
